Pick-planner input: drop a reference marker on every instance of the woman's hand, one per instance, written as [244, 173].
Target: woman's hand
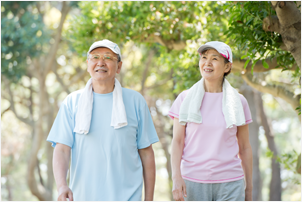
[179, 189]
[248, 195]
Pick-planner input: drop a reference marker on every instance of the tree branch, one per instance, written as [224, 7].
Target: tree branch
[271, 24]
[3, 112]
[238, 65]
[12, 104]
[170, 44]
[77, 77]
[145, 72]
[53, 50]
[54, 69]
[289, 17]
[275, 90]
[287, 12]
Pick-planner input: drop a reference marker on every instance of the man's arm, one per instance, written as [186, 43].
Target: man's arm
[148, 162]
[179, 186]
[246, 156]
[61, 159]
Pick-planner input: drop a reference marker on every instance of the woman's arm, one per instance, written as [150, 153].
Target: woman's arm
[179, 186]
[246, 156]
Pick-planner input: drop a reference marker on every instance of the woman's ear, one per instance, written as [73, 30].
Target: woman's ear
[228, 67]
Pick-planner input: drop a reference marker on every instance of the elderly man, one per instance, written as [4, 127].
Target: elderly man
[108, 131]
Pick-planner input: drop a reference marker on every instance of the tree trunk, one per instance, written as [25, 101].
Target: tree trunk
[9, 189]
[165, 146]
[248, 93]
[37, 189]
[275, 184]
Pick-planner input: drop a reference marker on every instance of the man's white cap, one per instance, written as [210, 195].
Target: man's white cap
[107, 44]
[221, 47]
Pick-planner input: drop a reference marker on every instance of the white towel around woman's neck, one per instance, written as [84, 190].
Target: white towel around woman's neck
[231, 105]
[85, 104]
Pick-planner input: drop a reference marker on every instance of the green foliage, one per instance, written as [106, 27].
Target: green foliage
[299, 108]
[22, 37]
[137, 21]
[141, 22]
[246, 31]
[290, 160]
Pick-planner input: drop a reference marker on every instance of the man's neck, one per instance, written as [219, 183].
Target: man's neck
[103, 87]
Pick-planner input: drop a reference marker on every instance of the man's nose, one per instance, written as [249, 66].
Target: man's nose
[101, 62]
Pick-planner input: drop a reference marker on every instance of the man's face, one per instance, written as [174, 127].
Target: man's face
[103, 64]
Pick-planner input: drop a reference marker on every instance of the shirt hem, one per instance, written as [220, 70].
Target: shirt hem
[249, 121]
[172, 115]
[54, 143]
[214, 181]
[148, 144]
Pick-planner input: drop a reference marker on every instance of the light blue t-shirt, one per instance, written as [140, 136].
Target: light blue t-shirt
[105, 163]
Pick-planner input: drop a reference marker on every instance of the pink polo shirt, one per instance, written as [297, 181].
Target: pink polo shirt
[210, 152]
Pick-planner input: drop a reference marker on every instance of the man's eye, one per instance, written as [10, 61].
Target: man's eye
[95, 57]
[107, 57]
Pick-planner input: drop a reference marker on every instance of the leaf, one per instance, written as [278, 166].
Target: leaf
[244, 56]
[246, 63]
[253, 65]
[269, 153]
[265, 65]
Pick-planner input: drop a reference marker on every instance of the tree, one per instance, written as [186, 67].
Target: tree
[158, 41]
[28, 56]
[280, 48]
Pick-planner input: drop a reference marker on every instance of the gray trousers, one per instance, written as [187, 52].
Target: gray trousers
[227, 191]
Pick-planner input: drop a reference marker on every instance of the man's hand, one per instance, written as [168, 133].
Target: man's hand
[179, 189]
[64, 193]
[60, 165]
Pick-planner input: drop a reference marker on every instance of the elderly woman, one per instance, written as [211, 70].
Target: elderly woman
[211, 154]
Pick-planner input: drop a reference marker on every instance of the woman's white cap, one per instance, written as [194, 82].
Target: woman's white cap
[221, 47]
[106, 44]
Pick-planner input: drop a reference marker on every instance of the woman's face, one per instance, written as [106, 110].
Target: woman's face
[212, 66]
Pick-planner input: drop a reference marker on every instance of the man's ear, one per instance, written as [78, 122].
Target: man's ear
[87, 65]
[119, 67]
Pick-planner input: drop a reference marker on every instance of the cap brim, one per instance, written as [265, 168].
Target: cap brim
[201, 48]
[100, 46]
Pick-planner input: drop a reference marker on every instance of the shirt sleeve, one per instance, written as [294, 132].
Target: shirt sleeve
[62, 128]
[146, 134]
[174, 110]
[246, 109]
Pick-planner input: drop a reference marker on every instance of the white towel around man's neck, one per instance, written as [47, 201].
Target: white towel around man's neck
[231, 105]
[85, 104]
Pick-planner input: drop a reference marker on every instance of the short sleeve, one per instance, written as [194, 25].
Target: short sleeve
[146, 134]
[246, 109]
[62, 128]
[174, 110]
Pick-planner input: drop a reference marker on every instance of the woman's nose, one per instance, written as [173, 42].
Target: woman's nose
[208, 62]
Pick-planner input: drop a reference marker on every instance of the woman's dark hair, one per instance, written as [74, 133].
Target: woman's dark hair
[225, 60]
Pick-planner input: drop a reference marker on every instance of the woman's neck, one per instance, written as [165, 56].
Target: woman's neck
[213, 86]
